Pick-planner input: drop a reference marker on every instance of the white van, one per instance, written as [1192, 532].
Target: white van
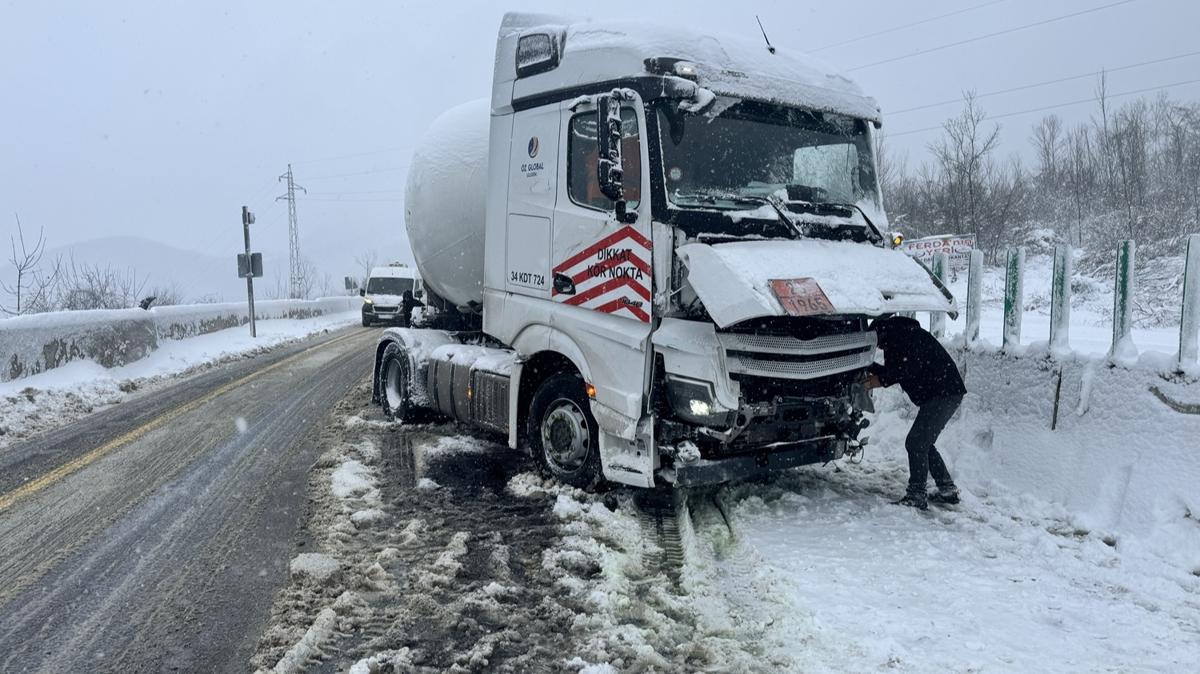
[389, 294]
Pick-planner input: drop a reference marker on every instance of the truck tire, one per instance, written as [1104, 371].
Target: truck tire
[366, 321]
[394, 379]
[563, 433]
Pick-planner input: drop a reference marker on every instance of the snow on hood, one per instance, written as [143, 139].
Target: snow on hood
[734, 280]
[385, 300]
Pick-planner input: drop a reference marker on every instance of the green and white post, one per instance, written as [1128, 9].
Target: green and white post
[937, 319]
[1122, 342]
[1060, 301]
[974, 297]
[1189, 317]
[1014, 296]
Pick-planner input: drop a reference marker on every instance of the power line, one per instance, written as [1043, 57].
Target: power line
[335, 194]
[368, 153]
[1056, 105]
[991, 35]
[1048, 82]
[907, 25]
[360, 173]
[353, 201]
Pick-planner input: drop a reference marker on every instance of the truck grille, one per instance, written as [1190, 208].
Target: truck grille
[385, 310]
[793, 358]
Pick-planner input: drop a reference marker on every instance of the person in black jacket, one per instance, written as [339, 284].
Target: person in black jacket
[916, 361]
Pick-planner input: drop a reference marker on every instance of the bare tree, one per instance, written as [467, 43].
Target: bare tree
[1047, 141]
[166, 295]
[366, 261]
[96, 286]
[308, 279]
[32, 286]
[962, 154]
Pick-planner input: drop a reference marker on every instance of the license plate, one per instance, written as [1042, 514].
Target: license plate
[801, 296]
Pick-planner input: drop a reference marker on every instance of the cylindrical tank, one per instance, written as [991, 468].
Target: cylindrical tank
[445, 203]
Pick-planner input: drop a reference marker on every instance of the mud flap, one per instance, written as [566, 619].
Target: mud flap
[627, 462]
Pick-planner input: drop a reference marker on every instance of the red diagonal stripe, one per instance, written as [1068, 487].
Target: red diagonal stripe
[611, 284]
[619, 235]
[617, 305]
[609, 264]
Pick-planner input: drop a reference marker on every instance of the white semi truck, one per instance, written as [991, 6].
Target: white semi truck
[650, 257]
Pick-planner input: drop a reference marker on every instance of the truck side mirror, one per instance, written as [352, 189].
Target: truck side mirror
[362, 292]
[610, 168]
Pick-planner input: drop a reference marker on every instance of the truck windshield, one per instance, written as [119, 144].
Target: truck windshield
[389, 285]
[753, 150]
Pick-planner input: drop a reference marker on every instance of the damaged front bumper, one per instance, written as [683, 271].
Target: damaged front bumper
[700, 472]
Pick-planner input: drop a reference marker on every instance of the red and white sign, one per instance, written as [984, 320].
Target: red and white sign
[612, 275]
[957, 246]
[801, 296]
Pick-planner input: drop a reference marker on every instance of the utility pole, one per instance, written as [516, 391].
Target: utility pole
[294, 271]
[247, 218]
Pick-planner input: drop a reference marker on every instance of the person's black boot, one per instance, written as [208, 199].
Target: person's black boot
[915, 500]
[945, 495]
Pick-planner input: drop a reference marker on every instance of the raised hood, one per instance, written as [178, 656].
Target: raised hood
[749, 279]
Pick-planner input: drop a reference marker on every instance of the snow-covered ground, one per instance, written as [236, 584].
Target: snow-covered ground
[52, 398]
[1003, 582]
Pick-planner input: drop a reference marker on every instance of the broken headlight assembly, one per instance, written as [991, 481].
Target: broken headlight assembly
[693, 401]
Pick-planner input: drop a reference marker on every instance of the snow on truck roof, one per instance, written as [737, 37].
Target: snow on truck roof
[597, 51]
[393, 272]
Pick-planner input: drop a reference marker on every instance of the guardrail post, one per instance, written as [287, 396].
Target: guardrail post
[1122, 344]
[974, 296]
[1189, 317]
[937, 319]
[1014, 296]
[1060, 301]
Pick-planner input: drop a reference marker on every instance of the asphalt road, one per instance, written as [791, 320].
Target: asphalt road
[152, 536]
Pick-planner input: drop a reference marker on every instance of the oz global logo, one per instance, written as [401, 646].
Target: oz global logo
[533, 147]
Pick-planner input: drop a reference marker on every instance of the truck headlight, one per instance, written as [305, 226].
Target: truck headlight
[693, 401]
[368, 300]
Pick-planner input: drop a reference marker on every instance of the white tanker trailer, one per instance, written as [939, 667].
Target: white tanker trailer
[650, 257]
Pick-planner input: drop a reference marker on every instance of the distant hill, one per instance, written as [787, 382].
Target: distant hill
[194, 275]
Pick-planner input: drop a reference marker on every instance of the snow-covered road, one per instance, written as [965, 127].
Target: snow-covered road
[151, 536]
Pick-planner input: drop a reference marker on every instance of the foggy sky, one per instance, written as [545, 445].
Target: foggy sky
[160, 119]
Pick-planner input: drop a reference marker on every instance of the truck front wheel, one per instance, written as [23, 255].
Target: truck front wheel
[394, 394]
[563, 433]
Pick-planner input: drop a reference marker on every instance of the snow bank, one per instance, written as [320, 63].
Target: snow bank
[309, 645]
[39, 342]
[111, 338]
[1117, 453]
[187, 320]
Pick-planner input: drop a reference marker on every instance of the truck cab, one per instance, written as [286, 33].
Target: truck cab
[682, 244]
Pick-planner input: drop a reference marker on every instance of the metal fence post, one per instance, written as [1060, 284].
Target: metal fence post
[937, 319]
[1060, 301]
[1014, 296]
[1122, 345]
[974, 296]
[1189, 317]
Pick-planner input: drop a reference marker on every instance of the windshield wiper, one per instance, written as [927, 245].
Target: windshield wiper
[815, 207]
[867, 219]
[787, 222]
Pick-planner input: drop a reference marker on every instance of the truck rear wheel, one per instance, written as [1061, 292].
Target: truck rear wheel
[394, 393]
[563, 433]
